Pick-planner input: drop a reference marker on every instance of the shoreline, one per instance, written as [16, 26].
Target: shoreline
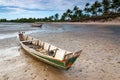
[88, 23]
[114, 22]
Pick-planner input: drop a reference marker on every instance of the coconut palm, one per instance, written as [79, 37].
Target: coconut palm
[112, 7]
[100, 10]
[96, 6]
[63, 17]
[92, 10]
[69, 14]
[116, 5]
[106, 6]
[56, 16]
[51, 18]
[87, 9]
[77, 13]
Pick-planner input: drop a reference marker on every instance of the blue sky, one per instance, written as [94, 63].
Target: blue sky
[12, 9]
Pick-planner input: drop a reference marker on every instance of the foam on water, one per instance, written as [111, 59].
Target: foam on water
[3, 36]
[46, 28]
[10, 35]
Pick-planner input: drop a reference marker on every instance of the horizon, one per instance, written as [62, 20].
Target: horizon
[14, 9]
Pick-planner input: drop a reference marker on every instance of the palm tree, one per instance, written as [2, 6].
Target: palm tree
[75, 8]
[79, 14]
[87, 9]
[56, 16]
[112, 7]
[119, 10]
[69, 13]
[45, 19]
[76, 13]
[96, 6]
[87, 4]
[63, 17]
[106, 6]
[100, 10]
[92, 10]
[116, 5]
[51, 18]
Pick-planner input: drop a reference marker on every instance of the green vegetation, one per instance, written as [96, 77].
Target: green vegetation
[105, 10]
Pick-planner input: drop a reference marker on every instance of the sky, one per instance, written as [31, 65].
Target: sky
[13, 9]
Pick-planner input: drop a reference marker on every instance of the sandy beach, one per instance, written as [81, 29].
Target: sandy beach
[99, 60]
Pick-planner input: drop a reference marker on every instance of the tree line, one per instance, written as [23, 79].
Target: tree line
[98, 10]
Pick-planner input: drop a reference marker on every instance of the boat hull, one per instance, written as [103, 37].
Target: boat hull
[62, 64]
[55, 63]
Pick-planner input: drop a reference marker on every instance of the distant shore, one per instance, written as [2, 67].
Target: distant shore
[90, 23]
[115, 21]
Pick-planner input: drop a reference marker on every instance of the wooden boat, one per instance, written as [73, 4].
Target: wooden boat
[48, 53]
[36, 25]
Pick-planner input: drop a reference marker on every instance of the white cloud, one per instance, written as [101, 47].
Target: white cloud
[43, 4]
[15, 10]
[26, 7]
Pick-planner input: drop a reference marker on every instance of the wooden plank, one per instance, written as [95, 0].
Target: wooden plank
[60, 54]
[29, 38]
[52, 47]
[46, 46]
[68, 53]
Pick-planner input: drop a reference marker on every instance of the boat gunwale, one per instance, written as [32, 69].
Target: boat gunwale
[34, 39]
[39, 53]
[45, 58]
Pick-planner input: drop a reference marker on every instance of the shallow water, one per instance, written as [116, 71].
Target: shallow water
[8, 30]
[15, 64]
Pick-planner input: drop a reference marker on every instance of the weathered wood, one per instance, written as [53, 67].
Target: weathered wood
[48, 53]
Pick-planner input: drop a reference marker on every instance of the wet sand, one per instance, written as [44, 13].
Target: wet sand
[100, 59]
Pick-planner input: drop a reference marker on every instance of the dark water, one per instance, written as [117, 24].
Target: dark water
[115, 29]
[69, 27]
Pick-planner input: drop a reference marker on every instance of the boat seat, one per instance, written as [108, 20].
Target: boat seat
[60, 54]
[29, 38]
[25, 37]
[41, 43]
[46, 46]
[43, 52]
[27, 42]
[35, 42]
[52, 47]
[68, 53]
